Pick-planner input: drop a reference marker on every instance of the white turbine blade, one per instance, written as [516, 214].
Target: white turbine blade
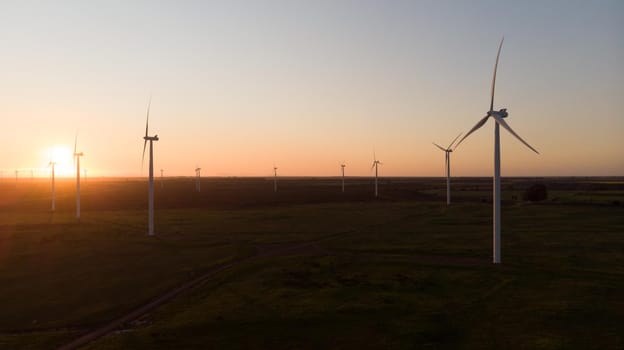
[494, 77]
[440, 147]
[143, 156]
[479, 124]
[147, 119]
[449, 147]
[373, 166]
[75, 147]
[502, 123]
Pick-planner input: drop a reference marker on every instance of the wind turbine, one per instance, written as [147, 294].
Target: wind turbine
[150, 197]
[342, 167]
[53, 206]
[161, 179]
[498, 117]
[274, 178]
[447, 165]
[77, 156]
[376, 164]
[198, 179]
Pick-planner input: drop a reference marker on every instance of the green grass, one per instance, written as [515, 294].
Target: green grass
[385, 274]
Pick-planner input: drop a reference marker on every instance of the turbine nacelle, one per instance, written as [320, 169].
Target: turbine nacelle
[150, 138]
[502, 113]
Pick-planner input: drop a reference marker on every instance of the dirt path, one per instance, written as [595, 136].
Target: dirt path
[263, 251]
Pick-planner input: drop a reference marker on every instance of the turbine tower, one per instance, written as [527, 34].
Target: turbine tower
[498, 117]
[198, 179]
[447, 166]
[274, 178]
[53, 206]
[150, 197]
[77, 156]
[376, 164]
[342, 167]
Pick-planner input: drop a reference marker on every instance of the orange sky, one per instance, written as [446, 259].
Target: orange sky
[238, 87]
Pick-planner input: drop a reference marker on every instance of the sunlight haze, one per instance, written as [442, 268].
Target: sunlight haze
[238, 86]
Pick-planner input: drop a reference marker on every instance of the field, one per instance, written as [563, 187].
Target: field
[310, 267]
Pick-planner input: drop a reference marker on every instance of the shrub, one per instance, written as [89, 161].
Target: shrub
[535, 193]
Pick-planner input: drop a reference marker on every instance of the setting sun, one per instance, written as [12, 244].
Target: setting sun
[62, 156]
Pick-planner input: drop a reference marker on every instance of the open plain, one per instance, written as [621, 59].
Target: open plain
[240, 267]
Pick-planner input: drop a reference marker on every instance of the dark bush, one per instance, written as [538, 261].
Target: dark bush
[535, 193]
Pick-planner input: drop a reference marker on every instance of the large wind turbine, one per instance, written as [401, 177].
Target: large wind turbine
[52, 189]
[498, 117]
[150, 197]
[376, 164]
[447, 166]
[77, 156]
[198, 179]
[342, 167]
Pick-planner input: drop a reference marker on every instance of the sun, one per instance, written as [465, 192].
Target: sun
[63, 157]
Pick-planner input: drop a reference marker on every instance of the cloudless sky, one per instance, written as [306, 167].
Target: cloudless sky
[239, 86]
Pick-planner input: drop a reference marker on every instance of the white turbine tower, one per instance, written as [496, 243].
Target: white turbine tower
[150, 197]
[498, 117]
[198, 179]
[52, 189]
[77, 156]
[447, 166]
[274, 178]
[342, 167]
[376, 164]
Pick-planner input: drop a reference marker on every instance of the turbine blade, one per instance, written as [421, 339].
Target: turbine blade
[494, 77]
[449, 147]
[143, 156]
[147, 119]
[373, 166]
[479, 124]
[440, 147]
[75, 146]
[503, 123]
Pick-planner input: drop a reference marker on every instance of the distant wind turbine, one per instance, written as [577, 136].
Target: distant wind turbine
[342, 167]
[376, 164]
[161, 178]
[198, 179]
[274, 178]
[447, 166]
[150, 197]
[52, 189]
[77, 156]
[498, 117]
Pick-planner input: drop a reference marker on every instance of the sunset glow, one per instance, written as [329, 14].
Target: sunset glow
[240, 85]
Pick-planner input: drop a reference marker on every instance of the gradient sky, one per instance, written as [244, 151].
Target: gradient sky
[240, 85]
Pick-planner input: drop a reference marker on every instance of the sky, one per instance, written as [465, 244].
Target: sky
[238, 86]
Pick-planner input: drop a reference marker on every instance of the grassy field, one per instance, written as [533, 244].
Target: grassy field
[401, 271]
